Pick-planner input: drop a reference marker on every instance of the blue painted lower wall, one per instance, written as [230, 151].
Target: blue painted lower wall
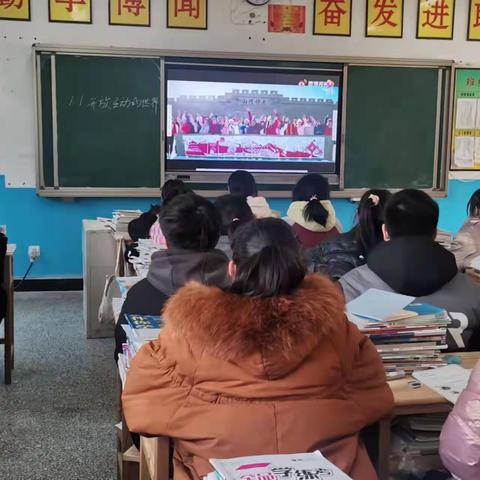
[56, 224]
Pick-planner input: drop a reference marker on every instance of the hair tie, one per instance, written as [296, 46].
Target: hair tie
[313, 197]
[235, 220]
[375, 199]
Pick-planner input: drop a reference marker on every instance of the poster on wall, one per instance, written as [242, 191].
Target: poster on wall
[70, 11]
[384, 18]
[190, 14]
[286, 18]
[466, 132]
[332, 17]
[124, 12]
[474, 20]
[244, 13]
[15, 10]
[435, 19]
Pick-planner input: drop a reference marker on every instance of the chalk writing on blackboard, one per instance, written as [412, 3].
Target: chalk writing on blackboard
[106, 103]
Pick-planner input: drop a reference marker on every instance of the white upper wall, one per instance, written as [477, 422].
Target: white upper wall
[17, 131]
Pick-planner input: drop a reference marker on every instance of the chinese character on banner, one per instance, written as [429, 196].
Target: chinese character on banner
[129, 12]
[286, 18]
[70, 11]
[474, 20]
[332, 17]
[384, 18]
[15, 10]
[435, 19]
[187, 14]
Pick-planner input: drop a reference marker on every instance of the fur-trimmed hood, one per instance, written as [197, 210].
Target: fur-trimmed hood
[281, 331]
[234, 376]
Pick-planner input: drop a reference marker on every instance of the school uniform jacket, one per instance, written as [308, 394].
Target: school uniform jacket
[232, 375]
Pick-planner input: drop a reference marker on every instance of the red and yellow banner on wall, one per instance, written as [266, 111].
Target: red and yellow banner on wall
[190, 14]
[474, 20]
[384, 18]
[15, 10]
[286, 18]
[435, 19]
[333, 17]
[124, 12]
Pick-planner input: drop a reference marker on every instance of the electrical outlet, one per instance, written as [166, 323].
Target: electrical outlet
[34, 252]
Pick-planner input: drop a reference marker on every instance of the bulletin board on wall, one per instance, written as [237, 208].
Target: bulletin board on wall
[466, 124]
[102, 119]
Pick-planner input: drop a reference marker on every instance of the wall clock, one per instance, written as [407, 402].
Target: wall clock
[257, 3]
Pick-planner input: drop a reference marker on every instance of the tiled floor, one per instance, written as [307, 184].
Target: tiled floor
[57, 417]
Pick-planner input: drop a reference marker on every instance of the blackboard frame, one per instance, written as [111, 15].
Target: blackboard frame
[441, 163]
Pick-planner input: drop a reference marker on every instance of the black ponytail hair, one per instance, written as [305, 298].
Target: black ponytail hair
[473, 206]
[234, 211]
[190, 222]
[313, 188]
[370, 218]
[268, 259]
[243, 183]
[171, 189]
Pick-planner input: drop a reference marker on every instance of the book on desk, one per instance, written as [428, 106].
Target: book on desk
[408, 336]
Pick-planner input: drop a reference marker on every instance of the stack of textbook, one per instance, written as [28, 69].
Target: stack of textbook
[415, 445]
[121, 219]
[145, 248]
[410, 339]
[301, 466]
[140, 329]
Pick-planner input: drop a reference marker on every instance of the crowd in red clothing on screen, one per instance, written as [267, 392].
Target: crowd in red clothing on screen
[273, 124]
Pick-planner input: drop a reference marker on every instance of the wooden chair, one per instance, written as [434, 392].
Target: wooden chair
[154, 458]
[6, 299]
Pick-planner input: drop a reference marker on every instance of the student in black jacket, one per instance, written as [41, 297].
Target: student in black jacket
[140, 227]
[191, 226]
[338, 256]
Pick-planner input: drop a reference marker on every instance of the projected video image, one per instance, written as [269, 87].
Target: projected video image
[289, 119]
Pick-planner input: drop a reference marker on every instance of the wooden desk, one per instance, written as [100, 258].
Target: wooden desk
[409, 401]
[8, 322]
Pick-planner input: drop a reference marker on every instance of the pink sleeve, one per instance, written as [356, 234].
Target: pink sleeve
[156, 234]
[460, 438]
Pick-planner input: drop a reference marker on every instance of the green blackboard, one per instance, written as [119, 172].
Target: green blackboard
[108, 121]
[390, 138]
[106, 111]
[46, 114]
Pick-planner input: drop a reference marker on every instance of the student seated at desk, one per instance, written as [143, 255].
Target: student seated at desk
[460, 438]
[243, 183]
[234, 211]
[311, 212]
[410, 262]
[192, 228]
[349, 250]
[170, 190]
[270, 365]
[468, 237]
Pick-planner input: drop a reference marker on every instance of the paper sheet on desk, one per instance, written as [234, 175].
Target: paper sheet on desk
[378, 304]
[449, 381]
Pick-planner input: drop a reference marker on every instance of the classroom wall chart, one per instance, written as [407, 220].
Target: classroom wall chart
[466, 133]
